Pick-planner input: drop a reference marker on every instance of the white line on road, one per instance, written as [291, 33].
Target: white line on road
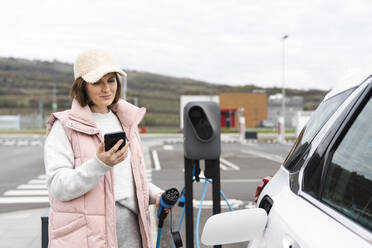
[36, 143]
[168, 147]
[228, 163]
[223, 167]
[25, 192]
[240, 180]
[155, 157]
[8, 200]
[149, 175]
[22, 143]
[37, 181]
[251, 204]
[42, 177]
[32, 186]
[208, 204]
[269, 156]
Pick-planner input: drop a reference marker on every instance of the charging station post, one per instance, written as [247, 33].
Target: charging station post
[202, 141]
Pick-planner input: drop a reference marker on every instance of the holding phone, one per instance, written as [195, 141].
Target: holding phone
[112, 138]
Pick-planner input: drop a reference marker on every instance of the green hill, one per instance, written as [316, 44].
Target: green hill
[26, 82]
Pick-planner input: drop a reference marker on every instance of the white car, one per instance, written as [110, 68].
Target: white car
[322, 194]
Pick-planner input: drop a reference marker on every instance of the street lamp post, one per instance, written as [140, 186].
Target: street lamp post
[124, 88]
[282, 126]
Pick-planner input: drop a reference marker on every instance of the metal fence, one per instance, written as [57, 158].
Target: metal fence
[22, 122]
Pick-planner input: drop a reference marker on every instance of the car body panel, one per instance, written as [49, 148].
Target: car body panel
[297, 217]
[294, 219]
[299, 220]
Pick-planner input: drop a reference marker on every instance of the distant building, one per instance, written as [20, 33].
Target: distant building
[292, 106]
[254, 105]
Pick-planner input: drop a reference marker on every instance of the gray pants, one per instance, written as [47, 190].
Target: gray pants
[127, 228]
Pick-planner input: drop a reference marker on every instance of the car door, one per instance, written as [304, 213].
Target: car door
[344, 191]
[297, 217]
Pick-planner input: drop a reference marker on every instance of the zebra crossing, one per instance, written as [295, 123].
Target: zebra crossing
[35, 191]
[39, 141]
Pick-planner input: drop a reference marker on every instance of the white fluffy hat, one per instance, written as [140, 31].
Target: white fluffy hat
[93, 64]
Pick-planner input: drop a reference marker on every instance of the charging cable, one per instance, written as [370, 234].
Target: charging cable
[199, 213]
[182, 200]
[167, 200]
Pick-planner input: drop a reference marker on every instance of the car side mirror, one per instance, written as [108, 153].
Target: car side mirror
[233, 227]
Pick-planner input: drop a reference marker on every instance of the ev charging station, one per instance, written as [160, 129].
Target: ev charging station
[202, 141]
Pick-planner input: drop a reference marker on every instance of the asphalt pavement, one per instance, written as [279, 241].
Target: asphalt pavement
[23, 195]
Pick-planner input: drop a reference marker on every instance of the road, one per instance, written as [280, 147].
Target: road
[21, 162]
[242, 168]
[22, 176]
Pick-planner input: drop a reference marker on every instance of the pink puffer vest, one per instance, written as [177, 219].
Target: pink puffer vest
[89, 220]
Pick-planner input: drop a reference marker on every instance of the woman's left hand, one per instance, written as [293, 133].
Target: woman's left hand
[157, 203]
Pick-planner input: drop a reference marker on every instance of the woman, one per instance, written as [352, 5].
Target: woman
[97, 198]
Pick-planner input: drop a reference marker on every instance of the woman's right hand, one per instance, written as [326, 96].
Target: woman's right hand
[111, 157]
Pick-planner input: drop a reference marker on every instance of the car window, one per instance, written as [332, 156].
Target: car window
[316, 122]
[348, 183]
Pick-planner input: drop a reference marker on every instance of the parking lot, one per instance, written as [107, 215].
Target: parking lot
[242, 168]
[23, 194]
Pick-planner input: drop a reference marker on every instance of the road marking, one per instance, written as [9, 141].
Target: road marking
[168, 147]
[155, 158]
[251, 204]
[37, 181]
[269, 156]
[42, 177]
[8, 200]
[231, 165]
[25, 192]
[208, 204]
[250, 144]
[36, 143]
[33, 192]
[149, 175]
[9, 142]
[241, 180]
[32, 186]
[22, 143]
[223, 167]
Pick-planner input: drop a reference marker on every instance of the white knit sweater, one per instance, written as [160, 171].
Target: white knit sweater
[66, 183]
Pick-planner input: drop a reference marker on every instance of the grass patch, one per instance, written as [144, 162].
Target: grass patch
[40, 132]
[165, 130]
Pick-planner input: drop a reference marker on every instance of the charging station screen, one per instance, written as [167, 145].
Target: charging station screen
[200, 122]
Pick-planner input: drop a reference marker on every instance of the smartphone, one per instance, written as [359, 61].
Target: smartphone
[112, 138]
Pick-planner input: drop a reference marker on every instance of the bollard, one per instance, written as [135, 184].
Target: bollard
[44, 229]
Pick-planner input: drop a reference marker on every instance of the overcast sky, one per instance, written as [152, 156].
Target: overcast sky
[233, 42]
